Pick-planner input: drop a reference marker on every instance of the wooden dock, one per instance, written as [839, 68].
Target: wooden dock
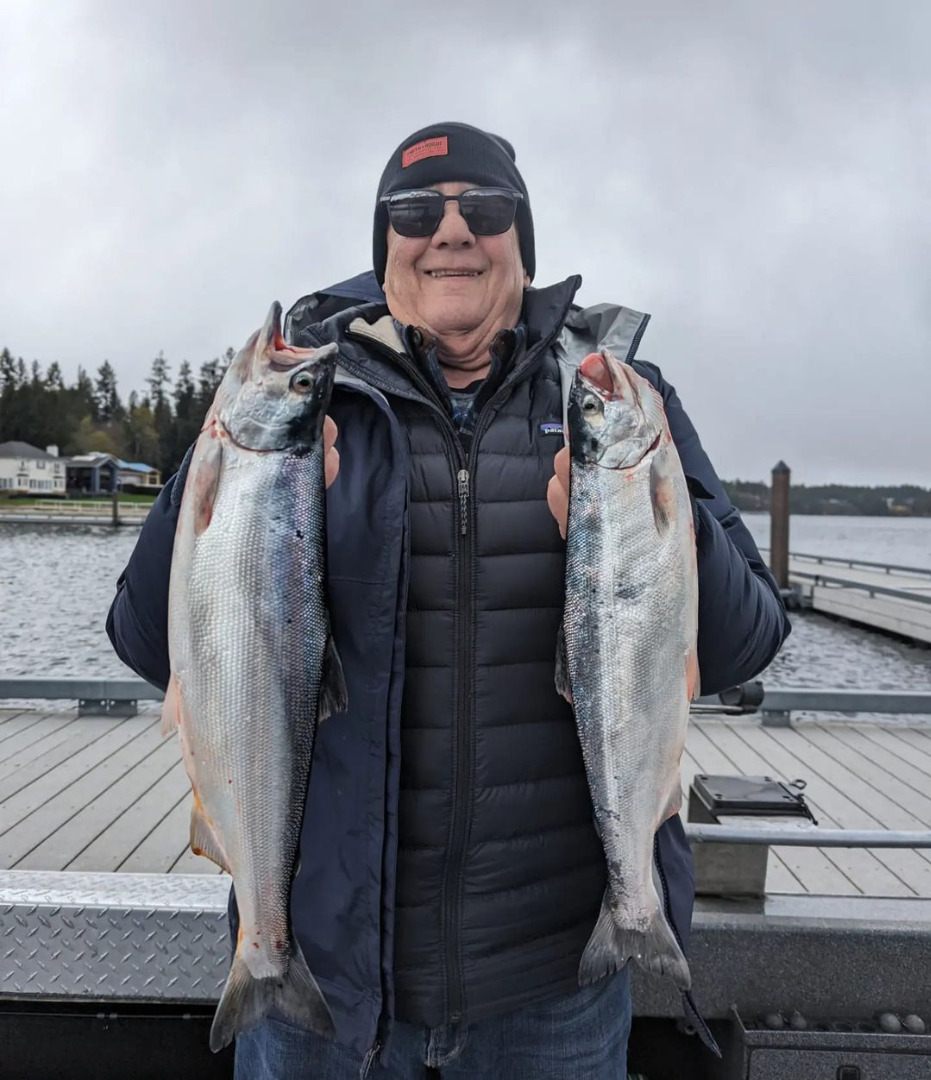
[895, 599]
[110, 794]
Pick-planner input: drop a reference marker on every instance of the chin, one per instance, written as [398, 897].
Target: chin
[445, 318]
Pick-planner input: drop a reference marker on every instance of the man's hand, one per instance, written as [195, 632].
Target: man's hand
[330, 453]
[557, 491]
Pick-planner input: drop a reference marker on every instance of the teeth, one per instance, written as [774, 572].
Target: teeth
[453, 273]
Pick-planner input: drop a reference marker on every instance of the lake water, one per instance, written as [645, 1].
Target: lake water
[57, 581]
[902, 541]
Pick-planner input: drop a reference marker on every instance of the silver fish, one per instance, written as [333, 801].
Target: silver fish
[253, 665]
[627, 653]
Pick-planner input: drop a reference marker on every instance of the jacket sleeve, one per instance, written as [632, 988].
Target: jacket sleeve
[742, 620]
[137, 624]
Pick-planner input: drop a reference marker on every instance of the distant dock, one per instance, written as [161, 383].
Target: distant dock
[73, 512]
[893, 598]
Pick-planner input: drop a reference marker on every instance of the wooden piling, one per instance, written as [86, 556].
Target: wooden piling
[115, 505]
[779, 525]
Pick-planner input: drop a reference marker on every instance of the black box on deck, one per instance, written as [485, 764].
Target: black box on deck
[746, 801]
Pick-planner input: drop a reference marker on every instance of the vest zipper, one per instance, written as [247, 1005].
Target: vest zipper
[463, 475]
[463, 478]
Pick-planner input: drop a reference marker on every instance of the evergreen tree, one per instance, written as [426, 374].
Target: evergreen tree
[7, 370]
[158, 378]
[109, 406]
[53, 378]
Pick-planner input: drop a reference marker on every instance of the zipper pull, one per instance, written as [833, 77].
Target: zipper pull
[463, 478]
[369, 1060]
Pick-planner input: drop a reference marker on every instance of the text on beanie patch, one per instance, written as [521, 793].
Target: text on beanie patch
[438, 147]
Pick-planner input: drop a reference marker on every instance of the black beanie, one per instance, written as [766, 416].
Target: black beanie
[444, 152]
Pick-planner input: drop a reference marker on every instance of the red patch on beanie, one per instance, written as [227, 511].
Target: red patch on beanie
[436, 147]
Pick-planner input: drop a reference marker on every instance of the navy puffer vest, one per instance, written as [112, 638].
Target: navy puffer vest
[500, 872]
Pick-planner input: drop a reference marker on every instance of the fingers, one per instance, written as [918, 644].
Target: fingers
[557, 491]
[330, 431]
[330, 453]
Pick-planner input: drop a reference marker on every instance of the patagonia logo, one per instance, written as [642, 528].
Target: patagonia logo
[438, 147]
[551, 429]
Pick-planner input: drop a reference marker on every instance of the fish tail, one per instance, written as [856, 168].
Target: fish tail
[654, 949]
[247, 1000]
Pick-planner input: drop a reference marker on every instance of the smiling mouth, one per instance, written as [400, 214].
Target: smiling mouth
[453, 273]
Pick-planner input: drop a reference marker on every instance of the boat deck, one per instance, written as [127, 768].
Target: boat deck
[111, 794]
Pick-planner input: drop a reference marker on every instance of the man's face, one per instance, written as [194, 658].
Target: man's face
[454, 282]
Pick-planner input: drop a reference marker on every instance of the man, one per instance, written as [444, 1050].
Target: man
[450, 874]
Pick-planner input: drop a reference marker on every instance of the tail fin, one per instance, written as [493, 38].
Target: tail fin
[247, 1000]
[655, 949]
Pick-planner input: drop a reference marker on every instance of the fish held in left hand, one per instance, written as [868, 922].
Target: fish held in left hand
[627, 656]
[253, 665]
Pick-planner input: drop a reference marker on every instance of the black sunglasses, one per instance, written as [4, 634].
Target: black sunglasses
[487, 211]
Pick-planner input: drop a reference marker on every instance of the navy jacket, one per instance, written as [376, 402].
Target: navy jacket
[342, 900]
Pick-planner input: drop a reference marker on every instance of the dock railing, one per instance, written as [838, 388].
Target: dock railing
[841, 560]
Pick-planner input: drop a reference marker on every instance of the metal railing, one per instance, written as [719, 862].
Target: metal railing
[775, 705]
[806, 836]
[863, 586]
[843, 560]
[840, 560]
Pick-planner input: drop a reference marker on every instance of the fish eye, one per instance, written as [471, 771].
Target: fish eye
[590, 406]
[302, 382]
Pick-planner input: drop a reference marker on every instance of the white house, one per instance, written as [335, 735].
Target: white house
[26, 469]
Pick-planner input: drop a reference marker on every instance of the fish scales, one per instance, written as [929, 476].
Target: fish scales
[257, 607]
[630, 631]
[253, 664]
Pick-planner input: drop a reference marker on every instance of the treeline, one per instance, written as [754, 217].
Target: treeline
[155, 427]
[904, 500]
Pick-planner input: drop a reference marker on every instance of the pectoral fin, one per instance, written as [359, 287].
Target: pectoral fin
[563, 686]
[203, 838]
[204, 478]
[171, 707]
[334, 697]
[692, 676]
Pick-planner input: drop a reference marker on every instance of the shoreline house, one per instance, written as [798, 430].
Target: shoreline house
[98, 473]
[27, 470]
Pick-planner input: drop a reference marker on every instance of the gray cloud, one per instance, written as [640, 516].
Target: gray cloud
[757, 179]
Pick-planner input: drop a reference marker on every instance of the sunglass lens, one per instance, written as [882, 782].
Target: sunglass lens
[416, 215]
[488, 214]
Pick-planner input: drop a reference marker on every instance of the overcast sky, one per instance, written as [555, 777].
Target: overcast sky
[755, 175]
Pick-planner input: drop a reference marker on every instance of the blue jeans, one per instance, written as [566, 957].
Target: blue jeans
[580, 1035]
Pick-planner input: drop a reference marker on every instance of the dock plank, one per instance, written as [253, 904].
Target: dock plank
[916, 737]
[17, 748]
[63, 845]
[818, 870]
[832, 787]
[16, 724]
[25, 792]
[65, 743]
[39, 809]
[891, 775]
[114, 844]
[161, 848]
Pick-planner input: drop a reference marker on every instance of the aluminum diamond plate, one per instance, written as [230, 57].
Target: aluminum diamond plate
[126, 936]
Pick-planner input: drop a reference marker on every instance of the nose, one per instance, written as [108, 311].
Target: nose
[453, 230]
